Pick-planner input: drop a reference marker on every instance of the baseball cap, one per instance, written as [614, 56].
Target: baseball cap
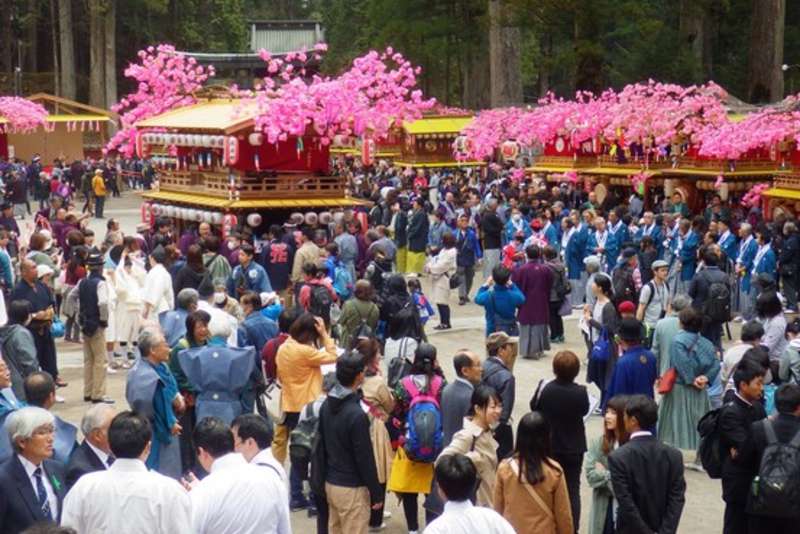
[626, 307]
[628, 253]
[499, 339]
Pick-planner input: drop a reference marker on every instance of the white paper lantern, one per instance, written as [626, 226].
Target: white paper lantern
[325, 217]
[311, 218]
[157, 209]
[216, 217]
[198, 215]
[255, 139]
[208, 217]
[254, 220]
[205, 140]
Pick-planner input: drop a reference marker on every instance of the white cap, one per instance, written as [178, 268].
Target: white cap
[43, 270]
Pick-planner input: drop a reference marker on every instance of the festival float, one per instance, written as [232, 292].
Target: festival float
[52, 127]
[428, 142]
[230, 157]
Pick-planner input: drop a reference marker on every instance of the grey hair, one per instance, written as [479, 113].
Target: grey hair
[22, 423]
[747, 226]
[680, 302]
[219, 327]
[186, 297]
[789, 227]
[94, 417]
[149, 338]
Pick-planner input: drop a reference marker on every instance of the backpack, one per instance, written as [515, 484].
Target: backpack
[775, 491]
[624, 286]
[406, 315]
[710, 450]
[320, 302]
[363, 330]
[342, 281]
[400, 363]
[301, 439]
[718, 305]
[424, 434]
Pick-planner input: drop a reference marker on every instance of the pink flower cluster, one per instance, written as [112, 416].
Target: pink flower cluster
[22, 114]
[165, 80]
[762, 129]
[654, 112]
[753, 197]
[377, 92]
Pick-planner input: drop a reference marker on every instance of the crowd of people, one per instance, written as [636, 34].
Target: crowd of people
[329, 313]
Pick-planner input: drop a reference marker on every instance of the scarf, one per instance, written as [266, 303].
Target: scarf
[647, 230]
[566, 237]
[743, 245]
[723, 237]
[762, 250]
[163, 415]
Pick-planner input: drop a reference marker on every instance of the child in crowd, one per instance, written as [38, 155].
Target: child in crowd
[420, 300]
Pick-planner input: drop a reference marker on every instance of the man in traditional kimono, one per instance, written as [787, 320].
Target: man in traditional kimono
[221, 375]
[534, 279]
[40, 391]
[152, 391]
[173, 322]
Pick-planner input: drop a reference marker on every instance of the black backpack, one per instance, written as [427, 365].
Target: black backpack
[710, 449]
[775, 491]
[623, 285]
[320, 302]
[301, 440]
[717, 306]
[363, 330]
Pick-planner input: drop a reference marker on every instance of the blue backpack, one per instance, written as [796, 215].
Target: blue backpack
[424, 434]
[601, 350]
[342, 281]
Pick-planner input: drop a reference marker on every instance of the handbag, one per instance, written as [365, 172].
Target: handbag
[601, 349]
[671, 375]
[57, 328]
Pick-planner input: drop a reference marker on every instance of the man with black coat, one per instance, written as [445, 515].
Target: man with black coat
[457, 395]
[417, 237]
[502, 350]
[789, 264]
[785, 427]
[735, 423]
[492, 231]
[351, 478]
[94, 454]
[700, 289]
[647, 475]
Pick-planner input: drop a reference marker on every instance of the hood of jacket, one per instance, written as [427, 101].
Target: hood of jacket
[339, 396]
[7, 331]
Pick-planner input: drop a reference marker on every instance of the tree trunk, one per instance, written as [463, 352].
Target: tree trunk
[692, 30]
[764, 73]
[68, 82]
[54, 36]
[546, 46]
[111, 52]
[504, 58]
[475, 65]
[31, 37]
[6, 53]
[97, 78]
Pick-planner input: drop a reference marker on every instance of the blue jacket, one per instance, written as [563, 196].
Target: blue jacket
[731, 246]
[468, 248]
[745, 259]
[614, 243]
[656, 235]
[767, 264]
[256, 330]
[511, 229]
[551, 236]
[635, 373]
[435, 233]
[688, 256]
[574, 256]
[253, 278]
[586, 237]
[507, 299]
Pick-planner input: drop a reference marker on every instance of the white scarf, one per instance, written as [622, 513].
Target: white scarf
[743, 245]
[762, 250]
[566, 237]
[601, 238]
[615, 228]
[723, 237]
[649, 229]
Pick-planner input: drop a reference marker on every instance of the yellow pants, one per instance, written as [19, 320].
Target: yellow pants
[400, 259]
[280, 443]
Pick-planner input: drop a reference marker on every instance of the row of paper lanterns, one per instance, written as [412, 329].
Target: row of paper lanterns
[209, 141]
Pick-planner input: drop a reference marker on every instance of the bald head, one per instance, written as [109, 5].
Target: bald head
[28, 270]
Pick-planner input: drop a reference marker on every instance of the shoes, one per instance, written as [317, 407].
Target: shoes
[312, 510]
[378, 528]
[597, 411]
[462, 301]
[87, 399]
[60, 399]
[295, 506]
[60, 383]
[127, 364]
[106, 399]
[111, 369]
[131, 356]
[694, 466]
[442, 327]
[387, 515]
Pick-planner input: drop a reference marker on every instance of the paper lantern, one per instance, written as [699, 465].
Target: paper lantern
[325, 217]
[368, 151]
[216, 217]
[140, 144]
[229, 222]
[147, 213]
[205, 141]
[231, 150]
[461, 144]
[254, 220]
[311, 218]
[296, 218]
[198, 215]
[509, 150]
[255, 139]
[208, 217]
[218, 141]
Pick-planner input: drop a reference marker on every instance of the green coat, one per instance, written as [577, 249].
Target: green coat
[600, 482]
[666, 330]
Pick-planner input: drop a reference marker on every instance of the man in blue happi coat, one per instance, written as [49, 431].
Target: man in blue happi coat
[173, 322]
[636, 370]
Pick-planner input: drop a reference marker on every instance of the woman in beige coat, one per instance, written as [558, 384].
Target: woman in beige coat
[380, 400]
[530, 490]
[442, 267]
[475, 440]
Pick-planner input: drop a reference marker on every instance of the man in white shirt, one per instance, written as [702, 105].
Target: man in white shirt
[127, 497]
[456, 476]
[252, 438]
[235, 498]
[157, 292]
[751, 335]
[218, 315]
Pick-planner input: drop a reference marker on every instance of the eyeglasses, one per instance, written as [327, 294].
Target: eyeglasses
[44, 430]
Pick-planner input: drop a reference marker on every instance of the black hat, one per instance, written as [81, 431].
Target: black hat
[630, 330]
[95, 259]
[206, 288]
[159, 254]
[628, 253]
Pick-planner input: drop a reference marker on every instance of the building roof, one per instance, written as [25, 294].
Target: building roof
[221, 115]
[281, 36]
[71, 118]
[436, 125]
[57, 105]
